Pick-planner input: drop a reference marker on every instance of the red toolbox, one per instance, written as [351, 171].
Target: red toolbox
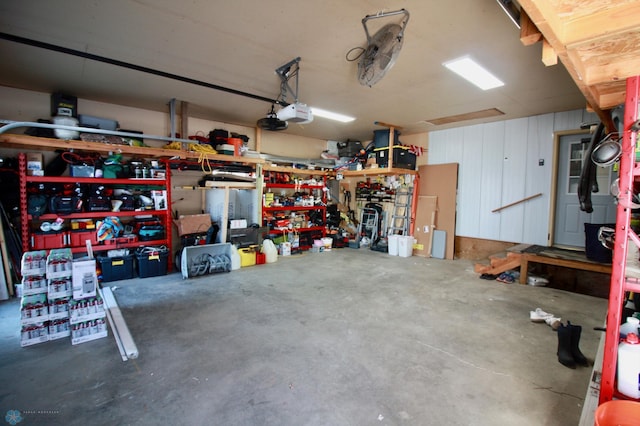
[78, 238]
[49, 240]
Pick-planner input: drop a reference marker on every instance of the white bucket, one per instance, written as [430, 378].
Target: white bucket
[392, 244]
[405, 245]
[629, 366]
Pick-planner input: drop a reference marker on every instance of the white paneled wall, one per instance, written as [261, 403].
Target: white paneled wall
[500, 163]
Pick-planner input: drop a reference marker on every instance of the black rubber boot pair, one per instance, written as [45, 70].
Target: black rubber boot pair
[569, 353]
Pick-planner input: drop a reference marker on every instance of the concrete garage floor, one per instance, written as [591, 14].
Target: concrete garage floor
[347, 337]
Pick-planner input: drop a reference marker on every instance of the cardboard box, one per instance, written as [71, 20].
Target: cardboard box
[35, 162]
[193, 224]
[59, 308]
[34, 333]
[89, 330]
[84, 278]
[34, 309]
[58, 288]
[59, 328]
[89, 309]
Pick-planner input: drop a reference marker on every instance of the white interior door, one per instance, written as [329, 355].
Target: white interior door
[569, 219]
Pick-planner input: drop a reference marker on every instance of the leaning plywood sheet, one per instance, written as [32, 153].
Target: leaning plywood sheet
[425, 224]
[441, 180]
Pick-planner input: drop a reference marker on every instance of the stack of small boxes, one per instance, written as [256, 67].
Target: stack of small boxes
[34, 306]
[59, 292]
[54, 304]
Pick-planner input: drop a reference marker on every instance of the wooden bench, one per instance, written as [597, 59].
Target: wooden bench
[527, 258]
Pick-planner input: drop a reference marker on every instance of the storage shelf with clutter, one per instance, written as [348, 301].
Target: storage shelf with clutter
[294, 210]
[129, 210]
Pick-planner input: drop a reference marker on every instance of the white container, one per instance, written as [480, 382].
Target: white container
[328, 242]
[405, 245]
[65, 121]
[392, 244]
[270, 251]
[629, 366]
[631, 326]
[235, 258]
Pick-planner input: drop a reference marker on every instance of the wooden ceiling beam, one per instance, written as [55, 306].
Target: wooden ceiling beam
[612, 21]
[529, 33]
[552, 25]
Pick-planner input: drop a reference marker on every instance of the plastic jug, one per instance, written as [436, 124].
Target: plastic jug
[235, 258]
[270, 251]
[631, 326]
[629, 366]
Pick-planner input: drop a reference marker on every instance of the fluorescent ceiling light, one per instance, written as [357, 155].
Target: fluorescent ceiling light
[318, 112]
[473, 72]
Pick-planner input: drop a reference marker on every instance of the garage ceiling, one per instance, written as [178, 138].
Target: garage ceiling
[239, 45]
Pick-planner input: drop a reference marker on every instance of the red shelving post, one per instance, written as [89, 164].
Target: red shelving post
[24, 214]
[619, 283]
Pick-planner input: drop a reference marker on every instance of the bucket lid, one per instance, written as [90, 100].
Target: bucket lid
[632, 339]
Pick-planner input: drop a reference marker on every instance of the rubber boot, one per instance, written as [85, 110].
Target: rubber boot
[579, 358]
[564, 347]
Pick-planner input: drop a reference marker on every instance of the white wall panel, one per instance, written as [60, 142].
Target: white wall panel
[438, 146]
[499, 164]
[513, 177]
[469, 182]
[538, 180]
[491, 178]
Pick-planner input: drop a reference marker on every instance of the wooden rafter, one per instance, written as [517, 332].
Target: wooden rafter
[598, 41]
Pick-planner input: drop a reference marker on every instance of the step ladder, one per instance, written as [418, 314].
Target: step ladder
[401, 212]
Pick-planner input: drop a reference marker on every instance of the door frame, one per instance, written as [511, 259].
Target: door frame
[554, 183]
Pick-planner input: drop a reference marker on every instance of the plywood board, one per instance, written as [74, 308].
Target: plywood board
[426, 213]
[441, 180]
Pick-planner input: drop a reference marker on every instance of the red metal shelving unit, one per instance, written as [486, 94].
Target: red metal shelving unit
[164, 215]
[620, 282]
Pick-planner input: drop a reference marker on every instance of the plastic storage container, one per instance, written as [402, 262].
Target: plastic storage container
[405, 245]
[403, 158]
[236, 261]
[392, 244]
[270, 251]
[629, 366]
[381, 138]
[116, 268]
[152, 263]
[247, 256]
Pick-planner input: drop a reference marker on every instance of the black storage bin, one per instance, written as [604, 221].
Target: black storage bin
[381, 138]
[152, 263]
[403, 158]
[116, 268]
[593, 248]
[349, 148]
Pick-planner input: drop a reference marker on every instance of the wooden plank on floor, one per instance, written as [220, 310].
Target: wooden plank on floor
[587, 417]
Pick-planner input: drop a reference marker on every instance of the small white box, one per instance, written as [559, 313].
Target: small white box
[237, 223]
[285, 249]
[85, 280]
